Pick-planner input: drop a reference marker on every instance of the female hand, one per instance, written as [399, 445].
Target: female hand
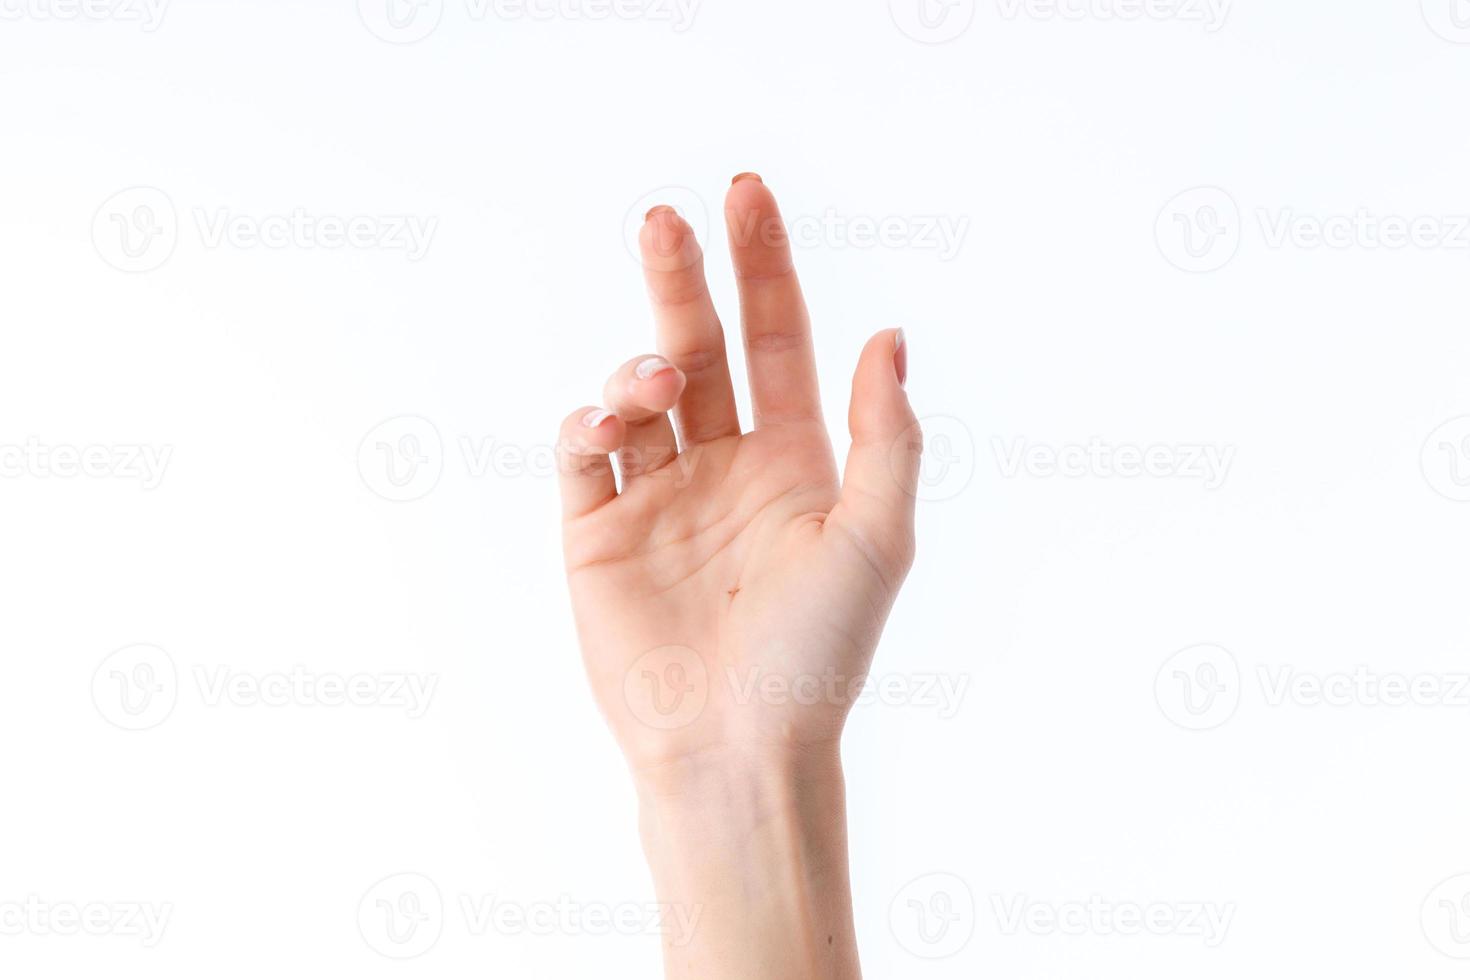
[729, 597]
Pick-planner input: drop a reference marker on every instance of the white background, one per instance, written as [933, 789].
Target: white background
[1072, 770]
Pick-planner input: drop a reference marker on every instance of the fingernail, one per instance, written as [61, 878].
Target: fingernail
[746, 176]
[596, 417]
[658, 209]
[900, 358]
[651, 366]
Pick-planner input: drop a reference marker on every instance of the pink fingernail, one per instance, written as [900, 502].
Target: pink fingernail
[651, 366]
[900, 359]
[596, 417]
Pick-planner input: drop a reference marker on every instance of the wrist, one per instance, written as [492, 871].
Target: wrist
[733, 778]
[726, 803]
[754, 840]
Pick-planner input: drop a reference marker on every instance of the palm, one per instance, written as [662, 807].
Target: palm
[731, 593]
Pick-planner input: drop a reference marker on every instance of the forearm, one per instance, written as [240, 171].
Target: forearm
[750, 855]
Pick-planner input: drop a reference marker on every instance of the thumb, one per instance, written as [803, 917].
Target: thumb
[877, 504]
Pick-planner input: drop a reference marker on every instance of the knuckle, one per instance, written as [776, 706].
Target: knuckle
[779, 341]
[680, 287]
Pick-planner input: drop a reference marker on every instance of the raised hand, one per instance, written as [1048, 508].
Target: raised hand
[730, 595]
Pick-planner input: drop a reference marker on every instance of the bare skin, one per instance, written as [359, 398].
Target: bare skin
[729, 598]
